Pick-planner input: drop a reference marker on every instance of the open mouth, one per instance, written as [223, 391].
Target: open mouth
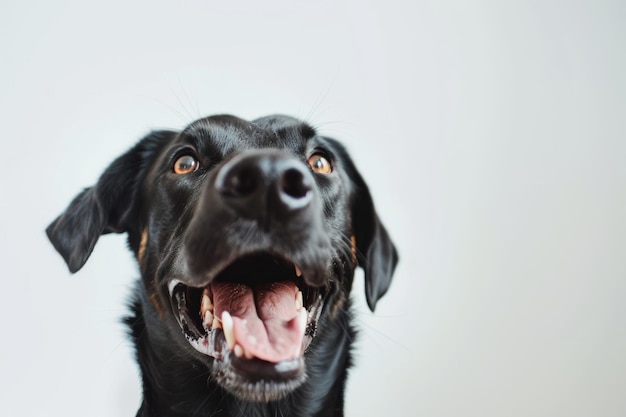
[258, 316]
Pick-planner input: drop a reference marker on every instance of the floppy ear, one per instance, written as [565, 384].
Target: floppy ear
[376, 253]
[107, 207]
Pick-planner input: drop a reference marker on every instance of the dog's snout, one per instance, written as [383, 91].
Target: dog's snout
[256, 185]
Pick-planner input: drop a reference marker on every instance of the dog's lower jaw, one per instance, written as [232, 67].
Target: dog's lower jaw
[262, 391]
[175, 384]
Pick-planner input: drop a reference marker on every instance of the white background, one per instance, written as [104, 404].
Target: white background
[491, 134]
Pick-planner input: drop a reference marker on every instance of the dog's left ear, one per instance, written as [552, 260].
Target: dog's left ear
[104, 208]
[376, 253]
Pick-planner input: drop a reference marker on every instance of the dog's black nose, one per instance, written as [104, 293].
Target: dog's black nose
[265, 183]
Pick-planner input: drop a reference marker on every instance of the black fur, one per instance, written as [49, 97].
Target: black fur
[251, 194]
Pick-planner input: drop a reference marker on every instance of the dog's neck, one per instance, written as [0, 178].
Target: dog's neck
[187, 389]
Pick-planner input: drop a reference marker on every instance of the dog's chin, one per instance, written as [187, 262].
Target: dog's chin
[250, 379]
[259, 381]
[255, 320]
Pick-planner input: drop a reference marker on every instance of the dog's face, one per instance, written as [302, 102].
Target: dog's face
[247, 235]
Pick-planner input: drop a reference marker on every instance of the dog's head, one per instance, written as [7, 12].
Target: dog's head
[247, 235]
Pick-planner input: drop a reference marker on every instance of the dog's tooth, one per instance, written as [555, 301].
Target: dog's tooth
[299, 302]
[303, 317]
[238, 350]
[228, 327]
[248, 354]
[206, 310]
[208, 319]
[298, 271]
[206, 303]
[217, 324]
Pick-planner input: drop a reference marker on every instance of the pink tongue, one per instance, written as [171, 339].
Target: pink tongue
[264, 318]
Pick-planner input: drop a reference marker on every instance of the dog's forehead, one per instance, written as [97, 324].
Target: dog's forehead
[225, 134]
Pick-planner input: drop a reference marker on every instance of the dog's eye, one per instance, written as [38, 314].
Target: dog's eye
[319, 164]
[185, 164]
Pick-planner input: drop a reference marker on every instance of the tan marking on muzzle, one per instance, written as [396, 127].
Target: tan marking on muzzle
[156, 302]
[141, 254]
[142, 246]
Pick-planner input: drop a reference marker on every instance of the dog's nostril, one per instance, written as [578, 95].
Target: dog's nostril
[294, 184]
[241, 183]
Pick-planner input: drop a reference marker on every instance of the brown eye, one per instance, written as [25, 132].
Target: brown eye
[320, 164]
[185, 164]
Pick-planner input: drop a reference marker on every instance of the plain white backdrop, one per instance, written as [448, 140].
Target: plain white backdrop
[492, 134]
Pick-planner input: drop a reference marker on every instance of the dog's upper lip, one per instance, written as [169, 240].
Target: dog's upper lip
[313, 276]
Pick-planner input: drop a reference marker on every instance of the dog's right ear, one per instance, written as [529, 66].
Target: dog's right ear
[108, 206]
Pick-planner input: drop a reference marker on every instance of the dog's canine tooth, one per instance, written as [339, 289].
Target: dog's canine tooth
[207, 320]
[303, 317]
[206, 303]
[299, 302]
[228, 327]
[298, 271]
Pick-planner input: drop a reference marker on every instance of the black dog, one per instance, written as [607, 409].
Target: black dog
[247, 235]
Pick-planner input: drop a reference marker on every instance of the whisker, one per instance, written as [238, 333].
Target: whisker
[364, 324]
